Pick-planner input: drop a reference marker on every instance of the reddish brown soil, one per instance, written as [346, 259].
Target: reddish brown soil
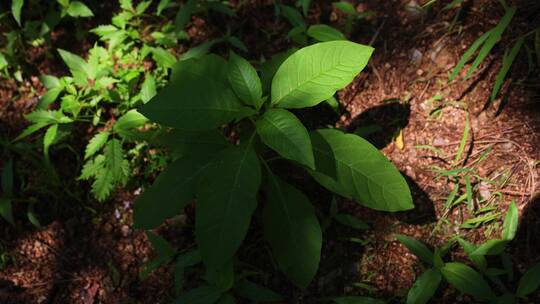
[84, 257]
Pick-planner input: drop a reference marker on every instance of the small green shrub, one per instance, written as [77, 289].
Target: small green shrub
[229, 180]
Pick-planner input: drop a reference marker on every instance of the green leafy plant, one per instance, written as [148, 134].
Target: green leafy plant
[34, 21]
[103, 92]
[466, 279]
[352, 15]
[228, 178]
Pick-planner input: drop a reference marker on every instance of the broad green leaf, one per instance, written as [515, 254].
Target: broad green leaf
[48, 117]
[114, 156]
[244, 81]
[507, 64]
[173, 189]
[142, 7]
[345, 7]
[6, 210]
[200, 50]
[305, 6]
[293, 231]
[424, 287]
[49, 81]
[356, 300]
[314, 73]
[200, 295]
[79, 9]
[479, 260]
[77, 66]
[16, 7]
[351, 221]
[129, 121]
[160, 245]
[96, 143]
[162, 57]
[197, 98]
[529, 282]
[49, 97]
[323, 33]
[190, 258]
[350, 165]
[269, 68]
[417, 248]
[184, 15]
[510, 225]
[255, 292]
[282, 131]
[194, 142]
[221, 277]
[467, 280]
[226, 200]
[226, 299]
[148, 88]
[163, 4]
[491, 247]
[293, 16]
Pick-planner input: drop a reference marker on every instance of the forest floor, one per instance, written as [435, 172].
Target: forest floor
[91, 254]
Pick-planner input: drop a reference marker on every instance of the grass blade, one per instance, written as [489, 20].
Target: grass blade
[507, 64]
[468, 54]
[492, 40]
[463, 141]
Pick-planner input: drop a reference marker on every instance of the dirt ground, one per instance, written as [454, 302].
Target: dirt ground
[89, 253]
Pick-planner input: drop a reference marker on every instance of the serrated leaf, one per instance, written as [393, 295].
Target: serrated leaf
[148, 88]
[142, 7]
[511, 221]
[79, 9]
[351, 221]
[244, 81]
[48, 117]
[323, 33]
[314, 73]
[174, 188]
[293, 231]
[16, 7]
[92, 167]
[226, 200]
[417, 248]
[114, 156]
[424, 287]
[352, 167]
[467, 280]
[282, 131]
[49, 97]
[206, 99]
[255, 293]
[103, 184]
[529, 282]
[96, 143]
[49, 138]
